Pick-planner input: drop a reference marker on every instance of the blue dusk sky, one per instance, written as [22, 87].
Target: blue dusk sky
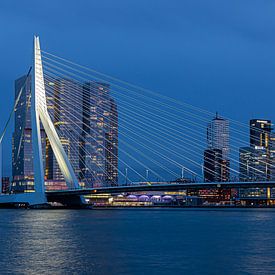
[214, 54]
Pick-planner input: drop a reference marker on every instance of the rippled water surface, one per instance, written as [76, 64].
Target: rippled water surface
[157, 241]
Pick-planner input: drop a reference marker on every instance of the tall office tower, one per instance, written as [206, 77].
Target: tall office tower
[65, 110]
[218, 135]
[22, 153]
[215, 167]
[111, 152]
[99, 136]
[216, 156]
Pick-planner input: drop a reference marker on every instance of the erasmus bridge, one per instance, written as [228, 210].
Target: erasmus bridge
[157, 134]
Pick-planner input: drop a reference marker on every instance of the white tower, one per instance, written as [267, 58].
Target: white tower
[40, 114]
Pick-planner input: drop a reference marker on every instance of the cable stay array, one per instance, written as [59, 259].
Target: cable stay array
[115, 132]
[156, 137]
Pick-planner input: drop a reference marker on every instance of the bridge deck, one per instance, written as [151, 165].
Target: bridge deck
[162, 187]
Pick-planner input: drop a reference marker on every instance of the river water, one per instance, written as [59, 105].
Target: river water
[150, 241]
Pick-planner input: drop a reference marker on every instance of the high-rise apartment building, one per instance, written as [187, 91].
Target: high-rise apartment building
[65, 110]
[100, 136]
[87, 125]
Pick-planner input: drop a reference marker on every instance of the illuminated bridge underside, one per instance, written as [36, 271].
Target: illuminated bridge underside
[161, 187]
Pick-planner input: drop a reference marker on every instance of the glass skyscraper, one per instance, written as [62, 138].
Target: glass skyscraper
[86, 119]
[216, 156]
[65, 110]
[218, 135]
[215, 167]
[87, 125]
[100, 136]
[22, 153]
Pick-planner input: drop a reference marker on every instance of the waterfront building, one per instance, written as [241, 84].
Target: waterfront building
[272, 156]
[260, 130]
[66, 113]
[254, 165]
[99, 136]
[218, 135]
[216, 156]
[22, 153]
[245, 162]
[215, 167]
[256, 161]
[88, 133]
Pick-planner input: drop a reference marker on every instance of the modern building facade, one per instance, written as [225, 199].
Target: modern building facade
[260, 130]
[272, 156]
[100, 136]
[256, 160]
[253, 164]
[218, 135]
[216, 156]
[215, 166]
[66, 113]
[22, 152]
[87, 125]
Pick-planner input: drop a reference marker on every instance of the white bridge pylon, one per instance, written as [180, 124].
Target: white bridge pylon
[40, 114]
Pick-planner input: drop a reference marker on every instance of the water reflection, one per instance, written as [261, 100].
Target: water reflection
[136, 242]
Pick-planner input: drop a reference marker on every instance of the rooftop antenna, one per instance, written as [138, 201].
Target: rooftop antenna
[182, 172]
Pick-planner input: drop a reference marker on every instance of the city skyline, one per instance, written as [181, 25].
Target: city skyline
[90, 145]
[194, 73]
[217, 132]
[137, 137]
[100, 104]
